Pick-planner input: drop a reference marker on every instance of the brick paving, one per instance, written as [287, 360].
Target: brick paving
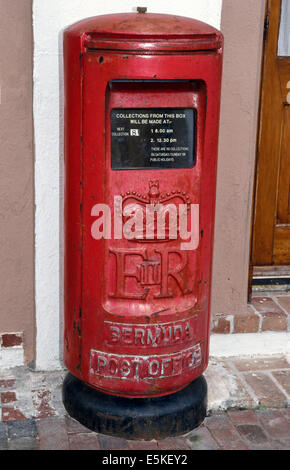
[235, 430]
[268, 311]
[248, 398]
[232, 384]
[248, 408]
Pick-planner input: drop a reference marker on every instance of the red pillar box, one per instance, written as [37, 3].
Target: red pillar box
[142, 97]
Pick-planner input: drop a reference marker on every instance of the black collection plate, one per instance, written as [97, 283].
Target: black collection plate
[143, 138]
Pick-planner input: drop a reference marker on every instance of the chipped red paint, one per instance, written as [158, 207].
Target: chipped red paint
[12, 414]
[41, 400]
[7, 383]
[137, 313]
[10, 340]
[8, 397]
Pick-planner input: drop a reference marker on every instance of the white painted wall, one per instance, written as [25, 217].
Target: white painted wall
[49, 18]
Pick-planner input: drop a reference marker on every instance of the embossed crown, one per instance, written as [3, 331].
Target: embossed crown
[154, 197]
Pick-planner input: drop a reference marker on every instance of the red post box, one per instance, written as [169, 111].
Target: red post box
[142, 98]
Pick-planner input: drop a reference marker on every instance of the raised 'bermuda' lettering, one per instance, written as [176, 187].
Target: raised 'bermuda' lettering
[164, 334]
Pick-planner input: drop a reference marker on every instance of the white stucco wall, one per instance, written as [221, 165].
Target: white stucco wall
[49, 19]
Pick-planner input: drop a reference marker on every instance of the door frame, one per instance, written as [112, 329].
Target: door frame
[267, 159]
[268, 86]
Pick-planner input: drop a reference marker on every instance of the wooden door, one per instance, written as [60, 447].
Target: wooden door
[271, 229]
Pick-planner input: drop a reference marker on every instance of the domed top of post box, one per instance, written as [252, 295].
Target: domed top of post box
[180, 33]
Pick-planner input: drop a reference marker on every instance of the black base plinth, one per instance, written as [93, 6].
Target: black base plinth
[136, 418]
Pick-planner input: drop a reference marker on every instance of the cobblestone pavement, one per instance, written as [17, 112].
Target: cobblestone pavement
[32, 415]
[233, 430]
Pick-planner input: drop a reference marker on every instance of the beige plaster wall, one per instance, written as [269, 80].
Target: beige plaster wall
[242, 26]
[16, 173]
